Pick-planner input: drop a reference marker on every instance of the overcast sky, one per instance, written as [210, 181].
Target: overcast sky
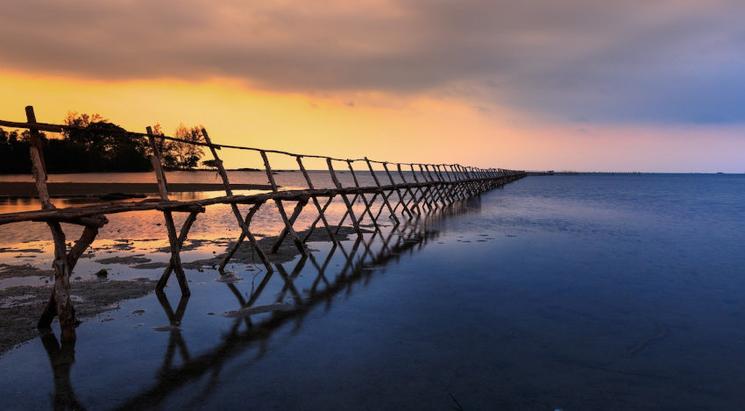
[663, 64]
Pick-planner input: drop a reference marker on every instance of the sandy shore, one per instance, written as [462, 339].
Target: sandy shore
[28, 190]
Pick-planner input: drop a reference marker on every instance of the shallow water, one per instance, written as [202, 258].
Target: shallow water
[215, 223]
[571, 292]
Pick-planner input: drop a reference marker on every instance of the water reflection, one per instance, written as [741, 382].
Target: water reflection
[364, 258]
[61, 358]
[176, 342]
[284, 296]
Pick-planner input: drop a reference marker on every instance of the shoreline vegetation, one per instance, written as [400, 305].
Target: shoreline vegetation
[97, 146]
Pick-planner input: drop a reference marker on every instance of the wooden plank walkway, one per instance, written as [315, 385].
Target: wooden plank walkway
[27, 189]
[401, 192]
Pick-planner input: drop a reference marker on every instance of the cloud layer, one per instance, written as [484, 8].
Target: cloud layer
[666, 61]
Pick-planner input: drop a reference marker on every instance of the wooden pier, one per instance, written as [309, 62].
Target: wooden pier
[402, 192]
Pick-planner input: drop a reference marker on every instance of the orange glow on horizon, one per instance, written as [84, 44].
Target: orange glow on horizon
[422, 128]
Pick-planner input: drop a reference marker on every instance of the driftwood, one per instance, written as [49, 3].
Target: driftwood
[432, 187]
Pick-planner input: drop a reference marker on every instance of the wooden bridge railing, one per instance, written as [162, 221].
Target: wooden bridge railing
[429, 187]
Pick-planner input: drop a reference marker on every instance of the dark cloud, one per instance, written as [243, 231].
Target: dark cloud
[675, 61]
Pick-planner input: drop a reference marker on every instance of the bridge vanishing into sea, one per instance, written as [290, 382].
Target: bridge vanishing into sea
[405, 193]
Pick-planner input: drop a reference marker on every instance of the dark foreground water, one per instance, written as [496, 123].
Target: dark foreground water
[564, 292]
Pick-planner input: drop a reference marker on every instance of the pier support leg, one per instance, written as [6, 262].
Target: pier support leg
[183, 234]
[321, 217]
[245, 233]
[59, 304]
[173, 241]
[289, 227]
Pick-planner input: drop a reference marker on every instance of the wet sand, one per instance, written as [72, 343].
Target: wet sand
[21, 306]
[97, 190]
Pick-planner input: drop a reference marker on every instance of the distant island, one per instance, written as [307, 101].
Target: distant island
[97, 146]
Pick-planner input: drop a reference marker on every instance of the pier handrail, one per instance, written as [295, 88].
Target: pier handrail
[60, 128]
[440, 186]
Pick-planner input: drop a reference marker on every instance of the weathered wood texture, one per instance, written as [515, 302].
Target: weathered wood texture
[430, 188]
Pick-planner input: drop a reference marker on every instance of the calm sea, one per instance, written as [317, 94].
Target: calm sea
[563, 292]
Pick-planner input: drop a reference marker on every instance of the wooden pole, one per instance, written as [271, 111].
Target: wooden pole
[293, 217]
[246, 223]
[156, 161]
[38, 167]
[59, 303]
[366, 204]
[385, 199]
[318, 218]
[282, 213]
[344, 198]
[426, 193]
[401, 196]
[321, 210]
[412, 193]
[183, 234]
[243, 224]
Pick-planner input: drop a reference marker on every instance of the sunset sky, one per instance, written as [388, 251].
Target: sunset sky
[535, 84]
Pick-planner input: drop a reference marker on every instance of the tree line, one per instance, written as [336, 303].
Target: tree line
[95, 145]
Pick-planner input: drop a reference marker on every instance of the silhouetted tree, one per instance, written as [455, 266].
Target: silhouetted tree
[187, 155]
[210, 163]
[14, 152]
[97, 145]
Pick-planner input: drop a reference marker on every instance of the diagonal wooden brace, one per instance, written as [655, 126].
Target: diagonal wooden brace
[245, 223]
[280, 207]
[59, 303]
[290, 222]
[321, 210]
[183, 234]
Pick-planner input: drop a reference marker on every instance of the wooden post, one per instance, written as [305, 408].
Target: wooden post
[385, 198]
[445, 183]
[59, 303]
[157, 164]
[243, 224]
[293, 217]
[471, 186]
[38, 167]
[454, 183]
[398, 192]
[459, 187]
[354, 201]
[245, 233]
[436, 188]
[465, 179]
[321, 210]
[155, 160]
[426, 193]
[282, 213]
[344, 197]
[412, 193]
[185, 227]
[318, 218]
[366, 204]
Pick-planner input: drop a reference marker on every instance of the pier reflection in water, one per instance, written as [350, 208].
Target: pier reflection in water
[569, 292]
[284, 296]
